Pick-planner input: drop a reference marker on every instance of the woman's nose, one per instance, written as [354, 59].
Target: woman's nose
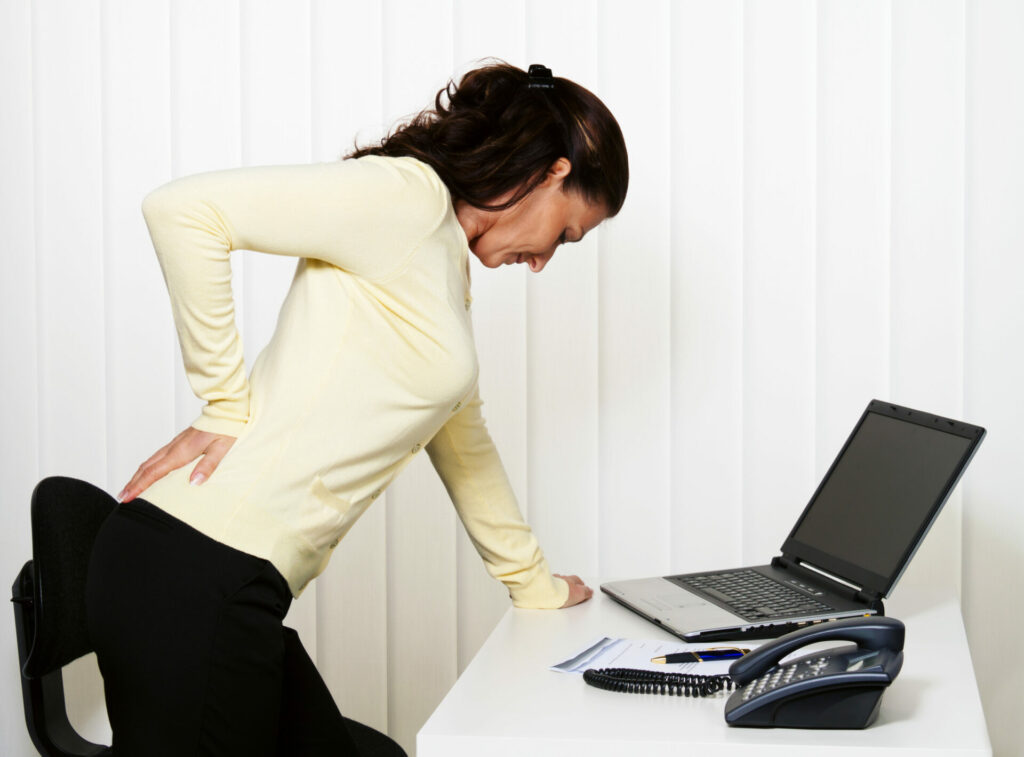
[537, 262]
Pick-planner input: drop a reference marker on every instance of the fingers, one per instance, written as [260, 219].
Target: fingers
[578, 591]
[151, 470]
[570, 579]
[183, 449]
[210, 460]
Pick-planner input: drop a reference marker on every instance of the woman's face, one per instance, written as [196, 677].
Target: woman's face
[530, 231]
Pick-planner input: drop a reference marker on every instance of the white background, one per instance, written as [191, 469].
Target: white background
[826, 206]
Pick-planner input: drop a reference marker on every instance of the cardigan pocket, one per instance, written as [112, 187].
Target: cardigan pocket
[327, 497]
[326, 517]
[343, 515]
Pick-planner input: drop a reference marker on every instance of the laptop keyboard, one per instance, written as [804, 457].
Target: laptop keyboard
[753, 595]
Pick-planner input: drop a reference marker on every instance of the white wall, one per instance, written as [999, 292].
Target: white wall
[825, 207]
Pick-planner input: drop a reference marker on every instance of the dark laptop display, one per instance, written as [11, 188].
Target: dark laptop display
[848, 548]
[882, 494]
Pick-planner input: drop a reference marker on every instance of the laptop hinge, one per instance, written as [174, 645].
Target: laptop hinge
[839, 585]
[872, 600]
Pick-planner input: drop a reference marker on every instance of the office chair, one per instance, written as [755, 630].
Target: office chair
[49, 608]
[49, 619]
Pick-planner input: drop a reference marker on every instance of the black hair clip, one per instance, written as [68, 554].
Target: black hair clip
[540, 77]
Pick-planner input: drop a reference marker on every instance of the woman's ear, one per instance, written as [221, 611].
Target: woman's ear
[559, 169]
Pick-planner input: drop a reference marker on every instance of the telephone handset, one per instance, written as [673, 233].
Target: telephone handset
[835, 688]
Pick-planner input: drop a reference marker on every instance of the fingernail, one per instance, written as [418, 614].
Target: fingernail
[120, 497]
[197, 478]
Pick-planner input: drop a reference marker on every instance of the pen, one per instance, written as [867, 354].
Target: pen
[703, 655]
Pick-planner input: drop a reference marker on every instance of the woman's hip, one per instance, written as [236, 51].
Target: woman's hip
[188, 635]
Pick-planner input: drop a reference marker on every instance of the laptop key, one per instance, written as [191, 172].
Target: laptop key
[717, 594]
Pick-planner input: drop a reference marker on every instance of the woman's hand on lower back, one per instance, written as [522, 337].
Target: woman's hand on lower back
[578, 591]
[182, 449]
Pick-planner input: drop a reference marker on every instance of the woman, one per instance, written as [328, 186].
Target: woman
[372, 360]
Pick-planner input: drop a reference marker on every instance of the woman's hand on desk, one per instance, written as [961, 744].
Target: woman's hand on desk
[182, 449]
[578, 591]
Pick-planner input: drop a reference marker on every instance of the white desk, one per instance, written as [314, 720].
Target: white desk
[507, 702]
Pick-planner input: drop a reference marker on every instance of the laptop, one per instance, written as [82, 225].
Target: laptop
[847, 549]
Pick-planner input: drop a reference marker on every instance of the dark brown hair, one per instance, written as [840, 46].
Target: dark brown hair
[497, 135]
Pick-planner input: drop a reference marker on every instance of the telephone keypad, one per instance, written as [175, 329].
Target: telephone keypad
[781, 676]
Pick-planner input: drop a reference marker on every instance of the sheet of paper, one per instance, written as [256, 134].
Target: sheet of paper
[606, 652]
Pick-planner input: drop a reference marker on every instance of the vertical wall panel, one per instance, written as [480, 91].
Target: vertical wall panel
[141, 349]
[707, 282]
[19, 443]
[70, 241]
[852, 318]
[205, 129]
[634, 299]
[422, 590]
[494, 28]
[69, 233]
[779, 270]
[928, 236]
[562, 314]
[351, 595]
[346, 100]
[993, 528]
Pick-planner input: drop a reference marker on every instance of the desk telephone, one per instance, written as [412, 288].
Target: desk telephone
[837, 688]
[840, 687]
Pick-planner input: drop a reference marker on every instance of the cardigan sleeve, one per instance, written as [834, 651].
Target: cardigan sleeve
[469, 466]
[364, 216]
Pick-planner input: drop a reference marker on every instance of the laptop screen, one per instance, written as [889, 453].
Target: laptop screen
[881, 495]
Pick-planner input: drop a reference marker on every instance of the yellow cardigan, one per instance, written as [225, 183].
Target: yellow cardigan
[372, 360]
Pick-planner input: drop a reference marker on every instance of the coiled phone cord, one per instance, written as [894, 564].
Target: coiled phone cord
[634, 681]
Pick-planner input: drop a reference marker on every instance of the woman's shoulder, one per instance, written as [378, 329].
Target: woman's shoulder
[405, 185]
[405, 172]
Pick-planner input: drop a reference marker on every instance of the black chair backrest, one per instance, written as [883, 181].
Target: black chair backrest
[66, 516]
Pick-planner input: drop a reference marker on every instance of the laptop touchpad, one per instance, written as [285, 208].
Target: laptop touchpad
[672, 600]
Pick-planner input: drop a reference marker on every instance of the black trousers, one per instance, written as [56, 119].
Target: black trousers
[195, 660]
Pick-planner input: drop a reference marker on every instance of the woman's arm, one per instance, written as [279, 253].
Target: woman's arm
[469, 466]
[364, 216]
